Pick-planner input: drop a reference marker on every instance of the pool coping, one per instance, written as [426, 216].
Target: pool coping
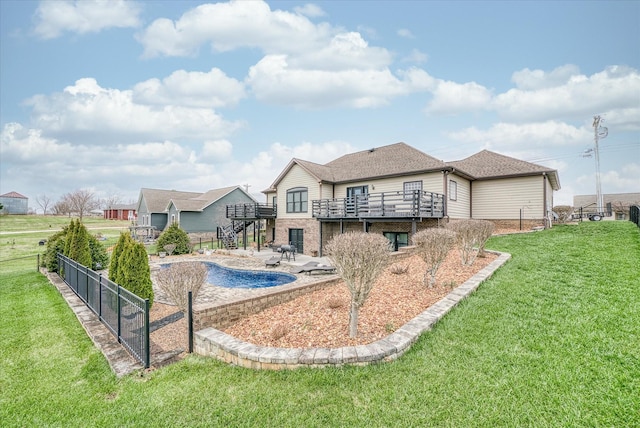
[215, 343]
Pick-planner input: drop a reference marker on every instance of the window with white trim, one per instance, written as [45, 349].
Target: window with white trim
[409, 188]
[453, 190]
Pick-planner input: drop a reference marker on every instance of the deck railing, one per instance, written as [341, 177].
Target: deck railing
[250, 211]
[398, 204]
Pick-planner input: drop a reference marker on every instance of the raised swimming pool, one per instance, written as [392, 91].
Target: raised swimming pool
[241, 278]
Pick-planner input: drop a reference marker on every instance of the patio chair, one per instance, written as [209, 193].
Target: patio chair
[273, 262]
[313, 267]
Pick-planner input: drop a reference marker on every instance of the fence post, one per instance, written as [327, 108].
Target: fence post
[38, 261]
[190, 319]
[119, 314]
[100, 296]
[147, 336]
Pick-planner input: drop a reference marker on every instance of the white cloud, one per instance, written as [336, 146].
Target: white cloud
[213, 89]
[345, 51]
[216, 151]
[403, 32]
[416, 57]
[232, 25]
[451, 98]
[84, 16]
[272, 80]
[581, 96]
[538, 79]
[509, 136]
[310, 10]
[111, 115]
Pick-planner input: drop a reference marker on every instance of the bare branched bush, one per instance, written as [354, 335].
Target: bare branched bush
[278, 331]
[485, 230]
[564, 212]
[469, 234]
[334, 302]
[433, 245]
[399, 269]
[178, 279]
[359, 258]
[170, 248]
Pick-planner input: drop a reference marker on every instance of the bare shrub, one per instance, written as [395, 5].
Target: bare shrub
[399, 269]
[170, 248]
[564, 212]
[178, 279]
[334, 302]
[278, 331]
[433, 245]
[359, 258]
[471, 233]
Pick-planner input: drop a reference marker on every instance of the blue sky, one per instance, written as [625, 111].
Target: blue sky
[112, 96]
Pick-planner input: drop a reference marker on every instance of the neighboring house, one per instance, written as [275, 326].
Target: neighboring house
[120, 212]
[616, 205]
[14, 203]
[397, 190]
[194, 212]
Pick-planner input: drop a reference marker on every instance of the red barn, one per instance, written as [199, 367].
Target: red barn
[121, 212]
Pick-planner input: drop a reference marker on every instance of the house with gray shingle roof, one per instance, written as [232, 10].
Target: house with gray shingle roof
[397, 190]
[195, 212]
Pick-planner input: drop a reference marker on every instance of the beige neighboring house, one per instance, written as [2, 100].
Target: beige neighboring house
[397, 190]
[616, 205]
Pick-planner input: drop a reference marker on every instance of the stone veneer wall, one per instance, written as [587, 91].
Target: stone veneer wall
[515, 224]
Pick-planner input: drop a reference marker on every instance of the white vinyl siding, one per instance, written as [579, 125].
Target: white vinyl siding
[297, 177]
[502, 199]
[460, 208]
[431, 182]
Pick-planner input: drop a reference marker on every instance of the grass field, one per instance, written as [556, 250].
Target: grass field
[20, 236]
[553, 339]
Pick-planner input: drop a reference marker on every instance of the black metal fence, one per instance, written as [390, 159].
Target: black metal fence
[122, 312]
[634, 214]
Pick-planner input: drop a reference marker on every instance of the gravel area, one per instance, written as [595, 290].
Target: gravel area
[321, 319]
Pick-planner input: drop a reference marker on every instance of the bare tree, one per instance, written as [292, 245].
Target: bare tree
[178, 279]
[43, 201]
[433, 245]
[471, 233]
[111, 200]
[359, 258]
[564, 212]
[82, 201]
[61, 207]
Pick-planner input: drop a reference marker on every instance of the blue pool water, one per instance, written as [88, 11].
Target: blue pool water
[240, 278]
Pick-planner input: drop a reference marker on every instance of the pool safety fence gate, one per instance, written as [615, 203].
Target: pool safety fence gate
[122, 312]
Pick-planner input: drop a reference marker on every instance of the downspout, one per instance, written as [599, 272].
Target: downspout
[445, 188]
[544, 197]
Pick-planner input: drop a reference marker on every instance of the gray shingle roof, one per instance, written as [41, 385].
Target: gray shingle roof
[401, 159]
[158, 200]
[394, 159]
[487, 164]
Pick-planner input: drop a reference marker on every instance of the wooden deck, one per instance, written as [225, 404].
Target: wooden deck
[386, 205]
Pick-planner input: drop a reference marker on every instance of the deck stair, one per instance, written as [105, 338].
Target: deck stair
[229, 233]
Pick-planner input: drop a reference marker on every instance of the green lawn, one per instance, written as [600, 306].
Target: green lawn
[20, 236]
[553, 339]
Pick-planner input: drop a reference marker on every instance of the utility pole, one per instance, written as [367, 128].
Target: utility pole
[599, 132]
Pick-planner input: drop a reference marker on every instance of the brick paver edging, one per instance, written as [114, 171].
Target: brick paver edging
[215, 343]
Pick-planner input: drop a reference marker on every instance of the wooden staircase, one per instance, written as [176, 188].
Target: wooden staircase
[229, 234]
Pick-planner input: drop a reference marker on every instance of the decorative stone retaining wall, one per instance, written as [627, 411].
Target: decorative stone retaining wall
[223, 316]
[215, 343]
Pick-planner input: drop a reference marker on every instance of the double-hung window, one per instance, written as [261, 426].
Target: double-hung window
[297, 200]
